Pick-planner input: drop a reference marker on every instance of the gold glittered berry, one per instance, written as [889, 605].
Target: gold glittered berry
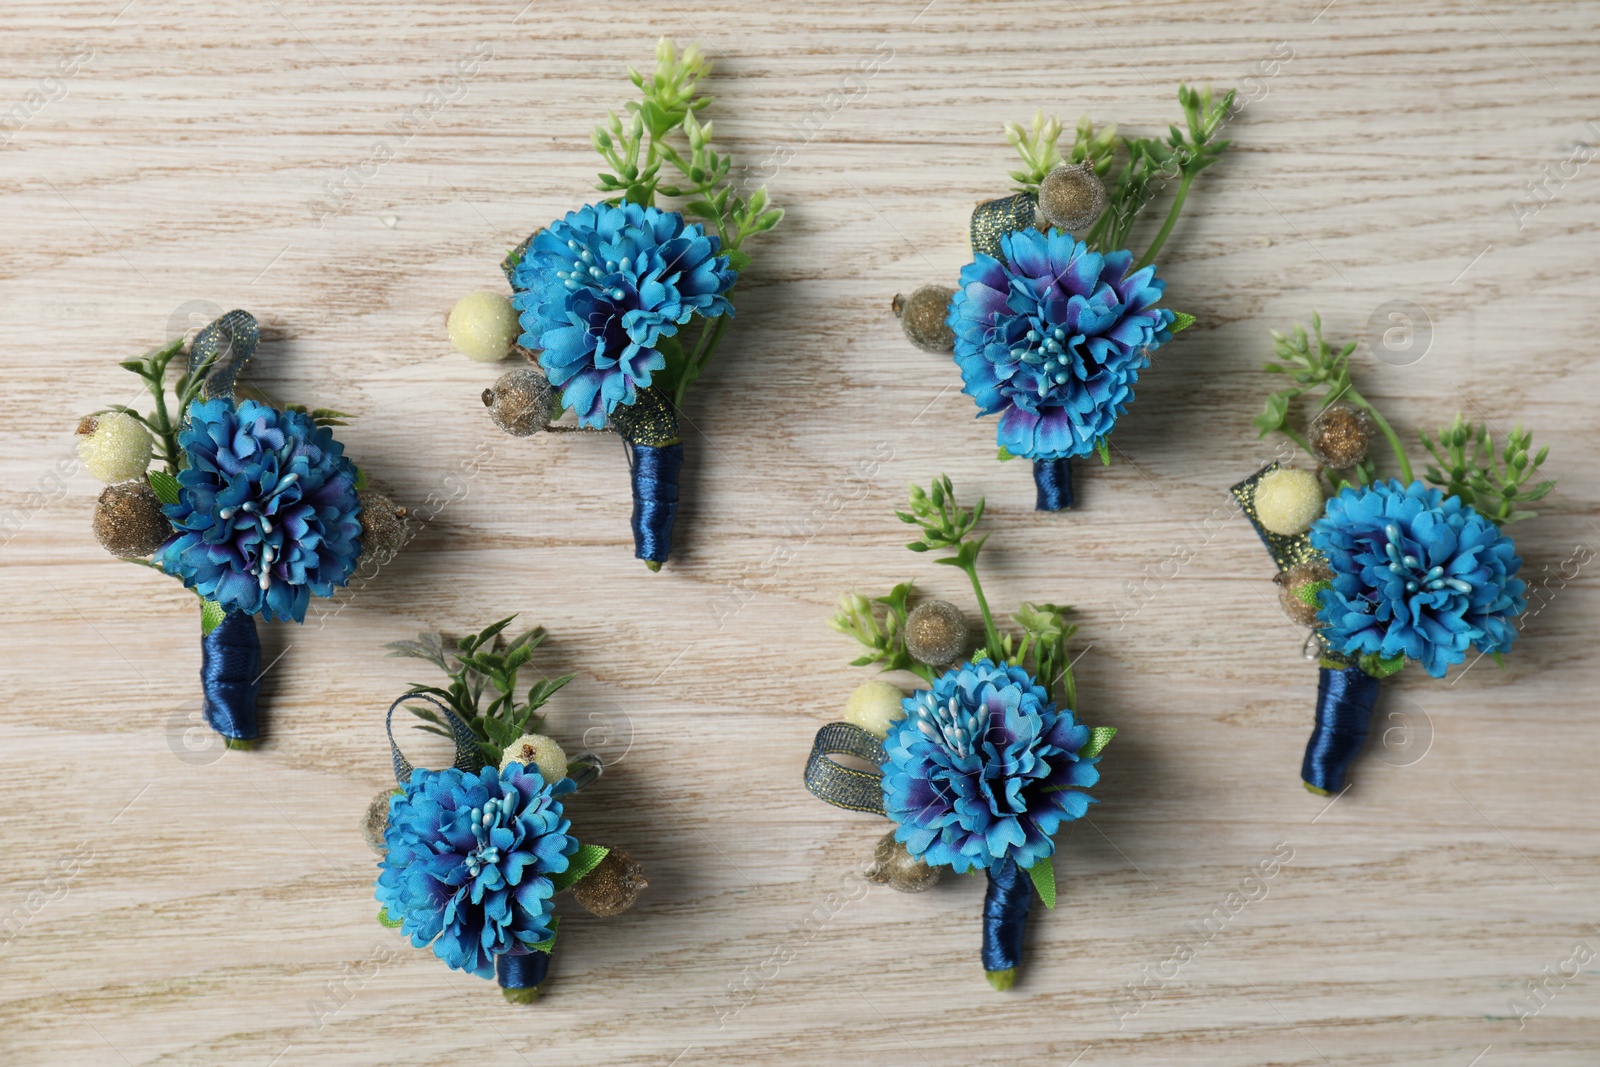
[521, 403]
[936, 633]
[1300, 588]
[1341, 435]
[376, 822]
[383, 526]
[612, 887]
[1072, 196]
[898, 869]
[128, 520]
[923, 316]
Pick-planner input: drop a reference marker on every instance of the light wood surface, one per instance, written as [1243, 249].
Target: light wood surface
[180, 906]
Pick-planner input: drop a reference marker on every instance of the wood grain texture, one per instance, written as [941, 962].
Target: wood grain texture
[222, 896]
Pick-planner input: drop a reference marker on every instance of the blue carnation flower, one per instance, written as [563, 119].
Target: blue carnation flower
[469, 859]
[267, 512]
[1053, 337]
[984, 768]
[597, 291]
[1416, 574]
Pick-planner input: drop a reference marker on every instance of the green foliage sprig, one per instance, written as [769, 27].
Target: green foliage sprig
[885, 639]
[1038, 149]
[944, 524]
[1465, 462]
[662, 129]
[1467, 467]
[480, 664]
[1144, 163]
[164, 422]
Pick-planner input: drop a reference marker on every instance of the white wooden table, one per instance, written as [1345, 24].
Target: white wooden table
[182, 906]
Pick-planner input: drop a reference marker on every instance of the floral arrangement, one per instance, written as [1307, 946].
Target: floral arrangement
[253, 505]
[1054, 318]
[472, 857]
[620, 305]
[1384, 571]
[983, 764]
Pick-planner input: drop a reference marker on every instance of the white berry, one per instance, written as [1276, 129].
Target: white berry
[482, 326]
[115, 447]
[537, 752]
[1288, 501]
[874, 706]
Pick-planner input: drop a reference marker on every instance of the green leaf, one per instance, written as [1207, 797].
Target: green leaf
[211, 614]
[738, 260]
[383, 919]
[1275, 414]
[1103, 447]
[548, 945]
[361, 478]
[1379, 667]
[579, 864]
[1181, 321]
[1099, 738]
[164, 485]
[1005, 454]
[1043, 873]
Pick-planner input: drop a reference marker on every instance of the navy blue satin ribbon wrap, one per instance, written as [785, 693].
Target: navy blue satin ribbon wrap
[1005, 915]
[523, 971]
[654, 470]
[1053, 479]
[230, 676]
[1345, 699]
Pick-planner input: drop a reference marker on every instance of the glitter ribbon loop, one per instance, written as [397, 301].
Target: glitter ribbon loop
[468, 755]
[230, 676]
[222, 349]
[993, 219]
[841, 786]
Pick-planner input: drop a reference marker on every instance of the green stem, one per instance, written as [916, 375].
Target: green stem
[990, 633]
[1069, 685]
[1172, 220]
[705, 347]
[1294, 436]
[163, 422]
[1388, 432]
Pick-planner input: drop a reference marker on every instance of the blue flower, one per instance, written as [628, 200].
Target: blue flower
[469, 859]
[266, 512]
[601, 287]
[1416, 575]
[984, 768]
[1053, 337]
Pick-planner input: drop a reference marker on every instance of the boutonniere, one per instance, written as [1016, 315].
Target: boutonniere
[473, 856]
[621, 304]
[251, 504]
[1053, 320]
[981, 766]
[1384, 570]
